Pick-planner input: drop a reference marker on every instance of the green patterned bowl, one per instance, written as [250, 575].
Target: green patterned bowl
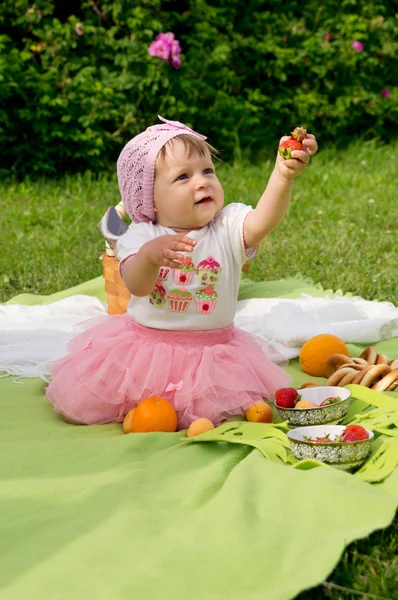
[331, 414]
[343, 455]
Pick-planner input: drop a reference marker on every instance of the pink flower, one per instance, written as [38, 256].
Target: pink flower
[176, 62]
[160, 49]
[79, 29]
[168, 37]
[176, 54]
[386, 92]
[358, 47]
[327, 37]
[167, 48]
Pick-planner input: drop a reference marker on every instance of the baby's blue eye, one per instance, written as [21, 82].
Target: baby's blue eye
[206, 171]
[181, 177]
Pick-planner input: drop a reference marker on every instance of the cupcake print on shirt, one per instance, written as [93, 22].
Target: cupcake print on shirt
[184, 275]
[158, 295]
[179, 299]
[209, 271]
[164, 272]
[206, 300]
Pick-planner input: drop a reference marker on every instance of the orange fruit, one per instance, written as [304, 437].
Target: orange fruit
[305, 404]
[199, 426]
[154, 414]
[259, 412]
[316, 351]
[127, 423]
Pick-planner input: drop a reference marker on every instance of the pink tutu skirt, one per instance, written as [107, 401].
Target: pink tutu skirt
[116, 363]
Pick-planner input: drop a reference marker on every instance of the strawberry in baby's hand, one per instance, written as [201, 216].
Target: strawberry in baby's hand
[354, 433]
[287, 397]
[293, 143]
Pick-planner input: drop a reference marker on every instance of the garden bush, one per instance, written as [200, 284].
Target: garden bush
[77, 81]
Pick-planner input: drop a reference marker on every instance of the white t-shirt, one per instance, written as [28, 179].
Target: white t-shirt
[203, 293]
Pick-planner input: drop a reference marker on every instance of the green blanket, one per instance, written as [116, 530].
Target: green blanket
[88, 512]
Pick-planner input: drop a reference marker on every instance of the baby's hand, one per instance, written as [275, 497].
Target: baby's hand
[164, 251]
[292, 167]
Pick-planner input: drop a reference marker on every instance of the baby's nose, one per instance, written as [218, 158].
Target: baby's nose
[202, 182]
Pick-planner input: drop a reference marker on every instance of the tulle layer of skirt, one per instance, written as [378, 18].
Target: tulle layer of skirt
[116, 363]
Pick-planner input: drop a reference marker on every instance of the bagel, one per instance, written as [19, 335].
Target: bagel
[338, 375]
[308, 384]
[359, 376]
[370, 355]
[374, 374]
[394, 363]
[382, 359]
[348, 378]
[389, 380]
[352, 365]
[334, 362]
[360, 361]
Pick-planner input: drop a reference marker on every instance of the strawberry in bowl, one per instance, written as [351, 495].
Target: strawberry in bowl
[287, 397]
[313, 405]
[342, 447]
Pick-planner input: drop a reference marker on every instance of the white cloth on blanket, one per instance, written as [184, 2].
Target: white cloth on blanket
[30, 336]
[286, 323]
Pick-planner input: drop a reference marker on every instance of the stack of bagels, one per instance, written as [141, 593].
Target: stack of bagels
[370, 369]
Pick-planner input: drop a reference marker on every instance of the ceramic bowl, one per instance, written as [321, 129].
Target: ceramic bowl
[343, 455]
[331, 414]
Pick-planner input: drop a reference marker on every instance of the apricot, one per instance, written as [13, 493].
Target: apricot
[199, 426]
[128, 421]
[305, 404]
[259, 412]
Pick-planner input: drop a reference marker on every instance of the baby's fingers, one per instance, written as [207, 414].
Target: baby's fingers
[310, 143]
[184, 239]
[173, 256]
[181, 246]
[301, 155]
[166, 262]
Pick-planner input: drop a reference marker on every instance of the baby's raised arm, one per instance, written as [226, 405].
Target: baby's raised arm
[140, 272]
[274, 202]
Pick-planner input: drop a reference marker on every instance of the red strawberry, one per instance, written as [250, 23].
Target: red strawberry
[350, 436]
[293, 143]
[287, 397]
[357, 430]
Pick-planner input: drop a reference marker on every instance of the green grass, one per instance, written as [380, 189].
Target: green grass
[368, 570]
[341, 230]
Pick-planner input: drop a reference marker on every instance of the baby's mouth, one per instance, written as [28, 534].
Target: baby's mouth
[204, 200]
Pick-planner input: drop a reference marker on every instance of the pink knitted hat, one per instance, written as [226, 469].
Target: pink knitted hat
[136, 167]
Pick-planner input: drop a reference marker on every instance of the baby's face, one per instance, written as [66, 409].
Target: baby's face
[187, 193]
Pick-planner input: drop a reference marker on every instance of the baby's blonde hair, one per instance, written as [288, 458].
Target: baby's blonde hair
[192, 145]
